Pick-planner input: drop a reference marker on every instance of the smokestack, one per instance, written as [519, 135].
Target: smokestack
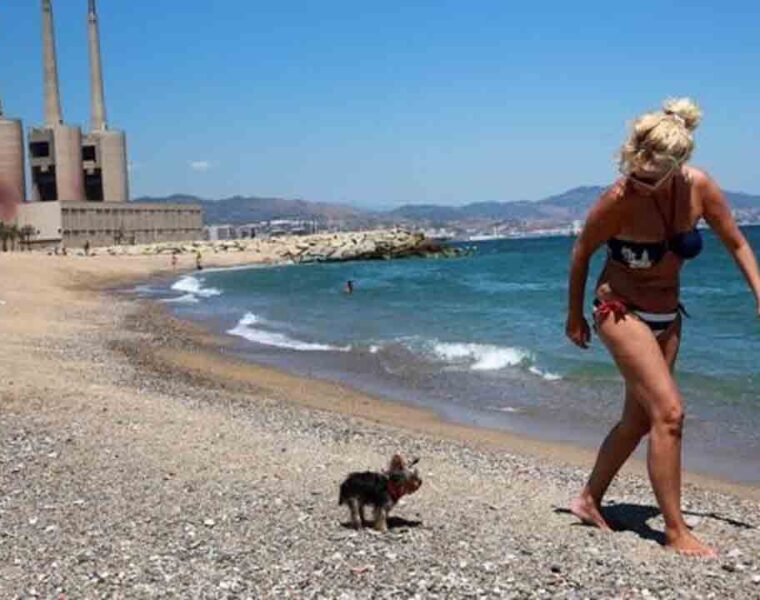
[98, 103]
[106, 176]
[53, 114]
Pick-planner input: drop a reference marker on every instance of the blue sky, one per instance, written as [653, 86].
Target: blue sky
[383, 103]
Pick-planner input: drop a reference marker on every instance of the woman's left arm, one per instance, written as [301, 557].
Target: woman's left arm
[717, 213]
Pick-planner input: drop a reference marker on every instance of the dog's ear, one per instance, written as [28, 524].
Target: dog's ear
[397, 463]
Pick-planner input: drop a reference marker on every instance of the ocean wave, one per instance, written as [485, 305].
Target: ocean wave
[507, 409]
[490, 286]
[245, 330]
[146, 290]
[249, 319]
[194, 285]
[184, 299]
[482, 357]
[548, 376]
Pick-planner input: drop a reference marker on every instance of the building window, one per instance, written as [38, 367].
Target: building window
[39, 149]
[88, 153]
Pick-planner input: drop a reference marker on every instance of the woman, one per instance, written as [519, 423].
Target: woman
[648, 221]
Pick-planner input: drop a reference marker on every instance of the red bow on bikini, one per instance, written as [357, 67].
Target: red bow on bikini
[611, 307]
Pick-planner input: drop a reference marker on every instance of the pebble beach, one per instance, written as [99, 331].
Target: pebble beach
[140, 459]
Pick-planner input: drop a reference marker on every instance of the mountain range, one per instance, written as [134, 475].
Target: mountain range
[561, 208]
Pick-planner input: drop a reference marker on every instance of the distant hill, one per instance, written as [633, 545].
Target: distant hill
[239, 209]
[740, 200]
[565, 207]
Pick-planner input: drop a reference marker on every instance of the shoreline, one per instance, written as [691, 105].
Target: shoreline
[363, 404]
[146, 459]
[208, 359]
[429, 420]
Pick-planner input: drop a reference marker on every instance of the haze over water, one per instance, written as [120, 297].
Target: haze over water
[481, 340]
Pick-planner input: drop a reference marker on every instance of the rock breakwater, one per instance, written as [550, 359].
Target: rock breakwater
[383, 244]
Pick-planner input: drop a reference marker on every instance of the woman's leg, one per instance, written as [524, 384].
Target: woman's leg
[621, 441]
[619, 444]
[648, 378]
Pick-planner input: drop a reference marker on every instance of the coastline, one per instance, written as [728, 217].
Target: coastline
[341, 398]
[177, 410]
[205, 356]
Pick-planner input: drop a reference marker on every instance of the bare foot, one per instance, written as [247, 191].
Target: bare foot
[687, 544]
[588, 512]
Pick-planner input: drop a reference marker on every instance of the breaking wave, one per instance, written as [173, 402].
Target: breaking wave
[183, 299]
[193, 285]
[481, 357]
[547, 375]
[245, 330]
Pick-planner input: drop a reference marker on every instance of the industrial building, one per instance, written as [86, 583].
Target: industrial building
[79, 182]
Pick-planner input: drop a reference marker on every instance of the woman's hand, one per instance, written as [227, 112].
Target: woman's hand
[578, 331]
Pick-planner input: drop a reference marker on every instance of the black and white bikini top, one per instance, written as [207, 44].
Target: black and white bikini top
[644, 255]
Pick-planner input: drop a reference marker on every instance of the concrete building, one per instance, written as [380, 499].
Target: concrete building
[12, 171]
[104, 151]
[55, 149]
[216, 233]
[80, 185]
[72, 224]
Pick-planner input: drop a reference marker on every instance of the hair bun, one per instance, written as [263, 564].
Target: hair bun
[686, 109]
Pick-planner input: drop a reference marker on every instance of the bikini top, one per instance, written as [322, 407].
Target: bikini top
[644, 255]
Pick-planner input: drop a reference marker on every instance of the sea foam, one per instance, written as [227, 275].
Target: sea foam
[183, 299]
[194, 285]
[245, 330]
[548, 376]
[481, 357]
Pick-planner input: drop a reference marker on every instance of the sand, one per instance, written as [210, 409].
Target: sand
[140, 459]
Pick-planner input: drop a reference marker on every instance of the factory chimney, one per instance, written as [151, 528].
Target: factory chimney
[55, 149]
[104, 150]
[53, 115]
[98, 103]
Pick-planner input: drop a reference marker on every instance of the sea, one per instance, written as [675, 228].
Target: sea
[480, 340]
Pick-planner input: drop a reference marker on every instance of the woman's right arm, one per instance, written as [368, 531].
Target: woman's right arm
[602, 223]
[717, 213]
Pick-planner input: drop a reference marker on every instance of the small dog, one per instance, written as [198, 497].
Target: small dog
[381, 490]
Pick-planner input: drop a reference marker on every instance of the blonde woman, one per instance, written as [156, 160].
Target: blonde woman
[647, 220]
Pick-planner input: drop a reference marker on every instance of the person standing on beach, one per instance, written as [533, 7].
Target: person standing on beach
[647, 220]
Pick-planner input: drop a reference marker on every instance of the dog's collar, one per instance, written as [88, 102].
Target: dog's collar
[395, 490]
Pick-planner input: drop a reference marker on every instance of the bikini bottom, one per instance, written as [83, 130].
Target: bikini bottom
[657, 322]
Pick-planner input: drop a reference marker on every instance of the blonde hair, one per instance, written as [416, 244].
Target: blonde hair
[660, 139]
